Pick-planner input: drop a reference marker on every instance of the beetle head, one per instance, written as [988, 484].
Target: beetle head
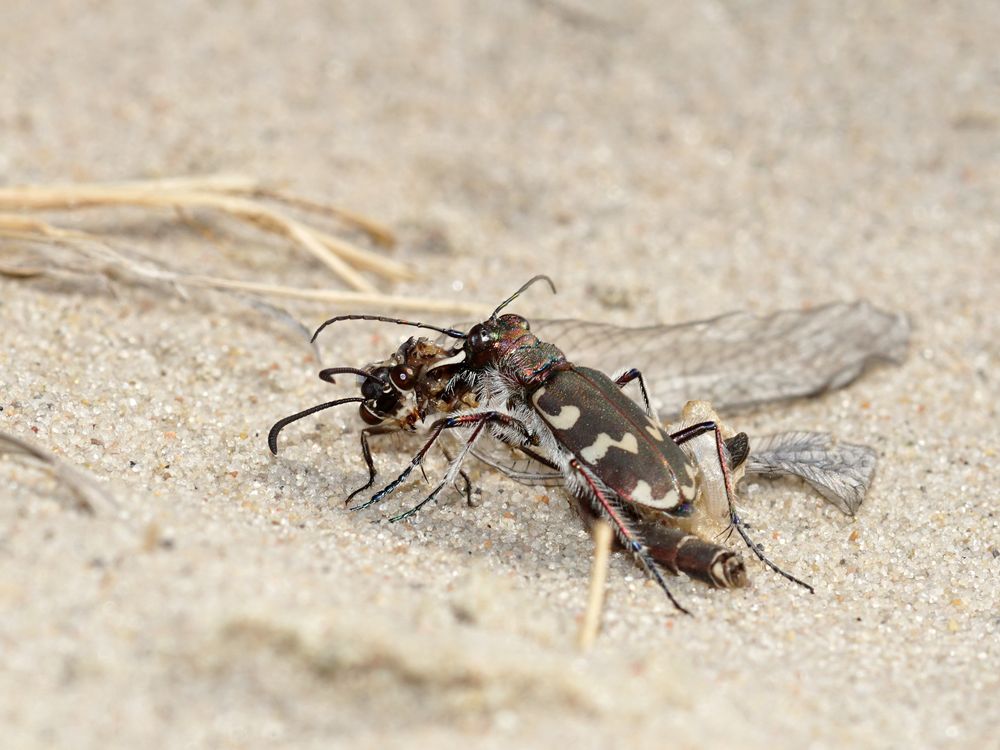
[491, 339]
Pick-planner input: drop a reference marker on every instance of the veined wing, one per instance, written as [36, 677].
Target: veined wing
[739, 360]
[840, 472]
[515, 464]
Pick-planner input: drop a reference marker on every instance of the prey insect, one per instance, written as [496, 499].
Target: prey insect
[612, 456]
[397, 394]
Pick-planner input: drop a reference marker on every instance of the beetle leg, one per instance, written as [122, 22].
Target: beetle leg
[480, 420]
[627, 377]
[462, 420]
[628, 538]
[720, 446]
[367, 453]
[415, 461]
[465, 478]
[681, 552]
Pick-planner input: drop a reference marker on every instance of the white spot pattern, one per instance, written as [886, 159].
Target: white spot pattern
[567, 417]
[600, 447]
[690, 489]
[643, 494]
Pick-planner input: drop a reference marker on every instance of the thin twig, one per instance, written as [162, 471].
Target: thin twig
[601, 531]
[338, 297]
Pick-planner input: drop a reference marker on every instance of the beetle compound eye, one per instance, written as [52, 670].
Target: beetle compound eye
[402, 377]
[476, 340]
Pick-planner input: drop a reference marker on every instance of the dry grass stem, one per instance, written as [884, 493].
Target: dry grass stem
[91, 254]
[248, 186]
[337, 297]
[238, 197]
[598, 577]
[90, 498]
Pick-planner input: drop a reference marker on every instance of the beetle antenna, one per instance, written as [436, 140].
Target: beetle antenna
[383, 319]
[525, 285]
[272, 436]
[327, 374]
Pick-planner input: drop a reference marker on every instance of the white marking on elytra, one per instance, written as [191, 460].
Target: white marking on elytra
[567, 417]
[690, 489]
[600, 447]
[643, 494]
[654, 430]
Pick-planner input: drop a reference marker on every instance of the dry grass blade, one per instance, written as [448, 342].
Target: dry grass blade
[95, 256]
[248, 186]
[376, 231]
[90, 498]
[234, 196]
[334, 296]
[598, 577]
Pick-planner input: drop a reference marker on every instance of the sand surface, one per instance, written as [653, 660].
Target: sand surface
[662, 164]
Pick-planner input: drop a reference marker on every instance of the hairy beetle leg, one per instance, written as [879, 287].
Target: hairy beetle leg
[481, 421]
[464, 420]
[682, 436]
[636, 547]
[369, 462]
[627, 377]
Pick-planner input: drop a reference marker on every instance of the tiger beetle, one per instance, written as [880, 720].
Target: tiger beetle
[614, 457]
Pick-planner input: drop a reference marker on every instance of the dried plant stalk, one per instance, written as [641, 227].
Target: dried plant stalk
[235, 196]
[248, 186]
[601, 531]
[96, 256]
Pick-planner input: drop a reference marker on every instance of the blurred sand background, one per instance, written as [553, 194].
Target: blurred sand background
[662, 162]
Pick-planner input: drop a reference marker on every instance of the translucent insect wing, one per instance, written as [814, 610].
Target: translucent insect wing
[739, 360]
[841, 472]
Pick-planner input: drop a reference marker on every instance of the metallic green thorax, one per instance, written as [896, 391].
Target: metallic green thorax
[509, 345]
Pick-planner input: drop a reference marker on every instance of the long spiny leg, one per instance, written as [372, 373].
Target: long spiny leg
[367, 453]
[679, 551]
[627, 377]
[463, 420]
[415, 461]
[465, 478]
[456, 465]
[628, 538]
[720, 446]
